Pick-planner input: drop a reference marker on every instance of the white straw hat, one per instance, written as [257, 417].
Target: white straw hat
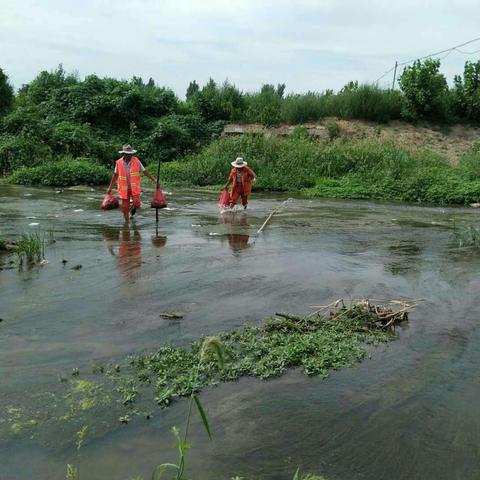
[239, 163]
[127, 149]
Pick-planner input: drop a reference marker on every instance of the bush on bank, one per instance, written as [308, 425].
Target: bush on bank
[368, 169]
[62, 173]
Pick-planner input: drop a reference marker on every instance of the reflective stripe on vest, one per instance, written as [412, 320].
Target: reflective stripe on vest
[122, 181]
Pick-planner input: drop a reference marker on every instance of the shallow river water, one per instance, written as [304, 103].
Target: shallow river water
[411, 411]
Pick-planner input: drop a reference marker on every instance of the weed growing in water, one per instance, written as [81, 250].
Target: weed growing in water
[468, 236]
[30, 248]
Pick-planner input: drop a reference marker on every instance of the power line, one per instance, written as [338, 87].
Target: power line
[442, 51]
[447, 52]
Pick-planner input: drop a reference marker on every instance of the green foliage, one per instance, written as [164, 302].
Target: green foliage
[467, 92]
[216, 103]
[62, 173]
[192, 89]
[6, 93]
[265, 106]
[425, 91]
[468, 236]
[333, 130]
[368, 169]
[17, 151]
[30, 248]
[176, 135]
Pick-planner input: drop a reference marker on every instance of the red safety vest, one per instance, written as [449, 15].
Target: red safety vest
[122, 181]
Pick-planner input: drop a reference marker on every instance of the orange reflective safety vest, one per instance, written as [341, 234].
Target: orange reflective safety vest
[247, 175]
[122, 181]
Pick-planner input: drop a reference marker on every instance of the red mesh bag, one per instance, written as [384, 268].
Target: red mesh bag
[158, 200]
[109, 202]
[224, 200]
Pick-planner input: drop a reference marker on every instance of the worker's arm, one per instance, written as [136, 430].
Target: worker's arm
[150, 176]
[254, 175]
[229, 181]
[112, 182]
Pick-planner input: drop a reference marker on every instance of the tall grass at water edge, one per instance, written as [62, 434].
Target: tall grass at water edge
[341, 169]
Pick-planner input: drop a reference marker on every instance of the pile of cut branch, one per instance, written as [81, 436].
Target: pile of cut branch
[383, 315]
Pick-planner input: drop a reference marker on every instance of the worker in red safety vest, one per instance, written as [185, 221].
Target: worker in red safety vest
[241, 178]
[127, 175]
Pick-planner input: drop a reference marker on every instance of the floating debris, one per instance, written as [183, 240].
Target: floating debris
[384, 316]
[78, 210]
[33, 224]
[195, 225]
[215, 234]
[64, 261]
[27, 194]
[171, 315]
[77, 267]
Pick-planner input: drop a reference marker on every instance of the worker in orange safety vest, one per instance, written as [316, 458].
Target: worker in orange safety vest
[127, 175]
[241, 178]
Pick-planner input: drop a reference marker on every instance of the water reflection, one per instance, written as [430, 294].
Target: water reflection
[158, 240]
[239, 237]
[125, 245]
[405, 257]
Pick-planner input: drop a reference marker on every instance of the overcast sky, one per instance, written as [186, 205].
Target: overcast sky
[307, 44]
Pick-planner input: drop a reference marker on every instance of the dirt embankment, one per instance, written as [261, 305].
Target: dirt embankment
[451, 142]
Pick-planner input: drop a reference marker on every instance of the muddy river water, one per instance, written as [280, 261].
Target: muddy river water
[411, 411]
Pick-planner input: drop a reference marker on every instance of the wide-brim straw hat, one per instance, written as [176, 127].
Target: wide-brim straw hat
[239, 163]
[127, 149]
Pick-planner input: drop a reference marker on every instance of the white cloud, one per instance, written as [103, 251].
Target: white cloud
[307, 44]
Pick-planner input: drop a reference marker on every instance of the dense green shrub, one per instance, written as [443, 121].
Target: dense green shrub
[367, 102]
[176, 135]
[216, 103]
[20, 151]
[369, 169]
[425, 91]
[63, 173]
[264, 106]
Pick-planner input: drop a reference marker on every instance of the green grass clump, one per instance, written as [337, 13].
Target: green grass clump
[372, 169]
[30, 248]
[63, 173]
[468, 237]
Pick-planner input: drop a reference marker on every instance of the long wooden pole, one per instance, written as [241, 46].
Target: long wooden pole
[269, 218]
[394, 75]
[158, 186]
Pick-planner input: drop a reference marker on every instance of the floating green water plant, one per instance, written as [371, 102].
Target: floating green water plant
[127, 390]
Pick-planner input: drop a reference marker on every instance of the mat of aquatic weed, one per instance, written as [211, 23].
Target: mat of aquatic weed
[333, 337]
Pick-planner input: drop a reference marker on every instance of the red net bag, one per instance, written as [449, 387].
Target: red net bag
[158, 200]
[109, 202]
[224, 200]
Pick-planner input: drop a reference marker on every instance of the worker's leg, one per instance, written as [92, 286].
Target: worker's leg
[236, 192]
[135, 204]
[126, 207]
[244, 201]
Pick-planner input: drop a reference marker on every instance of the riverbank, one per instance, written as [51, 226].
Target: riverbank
[376, 169]
[379, 170]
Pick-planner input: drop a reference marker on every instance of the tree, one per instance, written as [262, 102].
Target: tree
[467, 92]
[425, 91]
[192, 89]
[6, 93]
